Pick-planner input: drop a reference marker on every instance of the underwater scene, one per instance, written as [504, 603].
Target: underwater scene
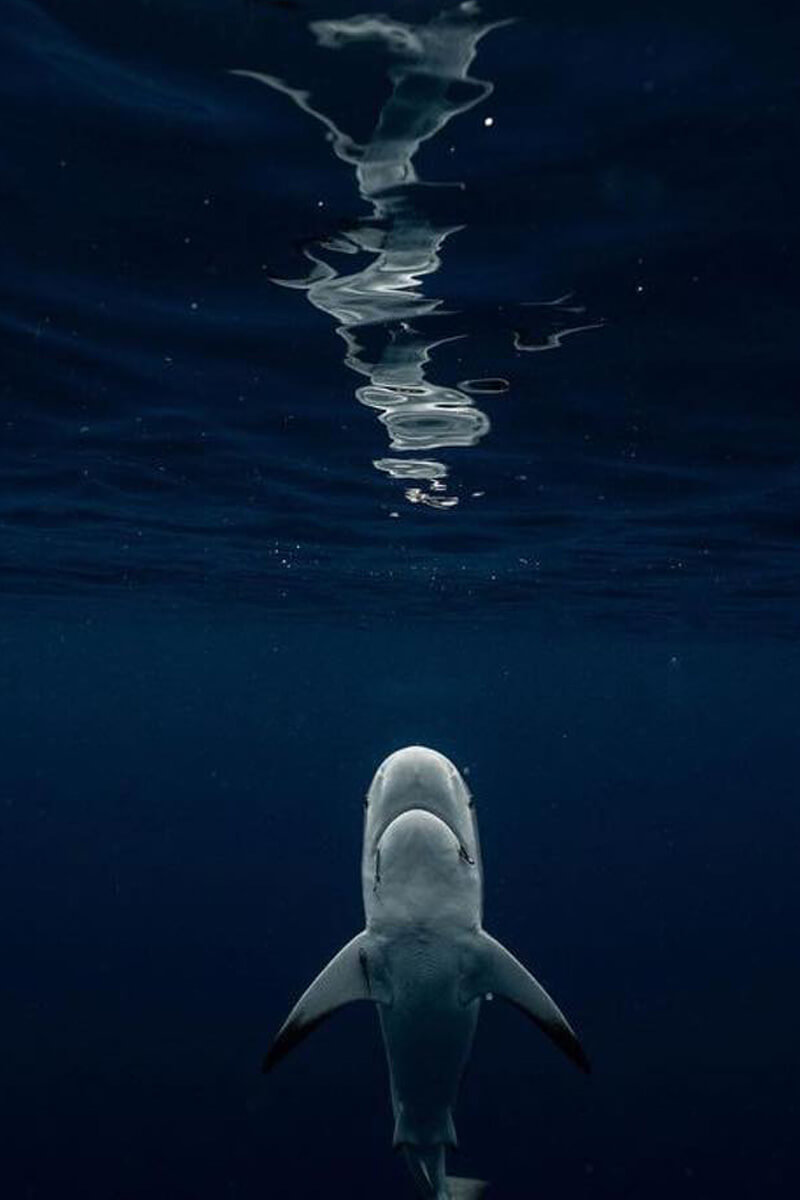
[399, 600]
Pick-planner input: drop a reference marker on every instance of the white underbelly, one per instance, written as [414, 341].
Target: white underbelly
[428, 1035]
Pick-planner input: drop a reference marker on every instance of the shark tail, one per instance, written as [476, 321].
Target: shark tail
[465, 1189]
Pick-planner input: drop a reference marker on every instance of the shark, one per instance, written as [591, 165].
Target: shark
[424, 959]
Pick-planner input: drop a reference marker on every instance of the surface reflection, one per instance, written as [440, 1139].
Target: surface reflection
[379, 303]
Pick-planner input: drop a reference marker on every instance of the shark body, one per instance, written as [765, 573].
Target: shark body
[424, 958]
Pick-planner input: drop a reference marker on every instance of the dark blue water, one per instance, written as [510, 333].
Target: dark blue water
[512, 470]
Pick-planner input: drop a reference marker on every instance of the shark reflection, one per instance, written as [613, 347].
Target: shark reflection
[378, 304]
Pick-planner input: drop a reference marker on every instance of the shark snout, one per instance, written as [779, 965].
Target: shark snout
[415, 775]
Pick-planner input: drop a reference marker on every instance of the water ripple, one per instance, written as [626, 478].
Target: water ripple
[174, 426]
[400, 242]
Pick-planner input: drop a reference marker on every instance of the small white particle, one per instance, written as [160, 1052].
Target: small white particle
[488, 122]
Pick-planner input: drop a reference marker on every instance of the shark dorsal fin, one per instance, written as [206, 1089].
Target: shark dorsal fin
[354, 973]
[490, 970]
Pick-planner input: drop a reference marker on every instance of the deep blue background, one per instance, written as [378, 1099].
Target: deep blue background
[211, 631]
[182, 809]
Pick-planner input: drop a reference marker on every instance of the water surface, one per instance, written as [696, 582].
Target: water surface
[466, 189]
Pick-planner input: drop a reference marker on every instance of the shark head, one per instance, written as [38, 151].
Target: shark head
[416, 778]
[418, 812]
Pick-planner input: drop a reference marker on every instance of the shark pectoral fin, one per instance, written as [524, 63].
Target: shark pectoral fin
[492, 971]
[465, 1189]
[354, 974]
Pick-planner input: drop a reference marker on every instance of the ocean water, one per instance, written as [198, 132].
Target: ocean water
[374, 377]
